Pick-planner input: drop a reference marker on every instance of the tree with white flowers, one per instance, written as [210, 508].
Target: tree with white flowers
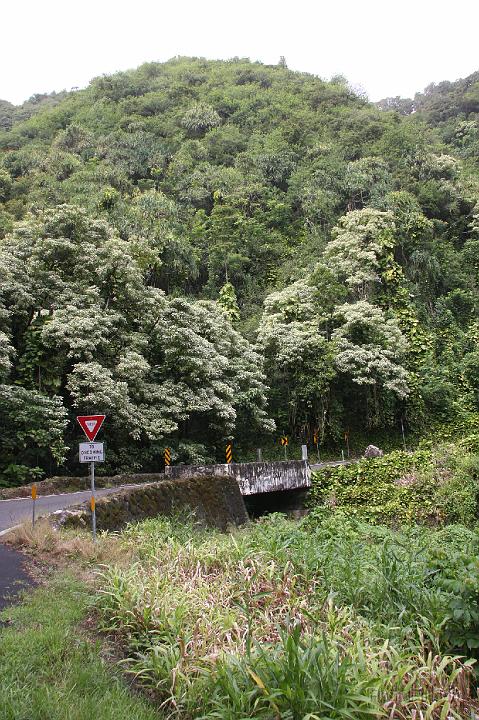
[370, 348]
[359, 242]
[81, 328]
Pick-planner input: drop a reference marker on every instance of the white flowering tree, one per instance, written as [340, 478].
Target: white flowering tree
[299, 358]
[212, 372]
[82, 329]
[325, 356]
[359, 242]
[370, 348]
[200, 118]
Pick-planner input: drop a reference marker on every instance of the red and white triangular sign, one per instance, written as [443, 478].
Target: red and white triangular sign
[91, 424]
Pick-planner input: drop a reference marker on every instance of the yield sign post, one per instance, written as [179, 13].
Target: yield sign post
[90, 425]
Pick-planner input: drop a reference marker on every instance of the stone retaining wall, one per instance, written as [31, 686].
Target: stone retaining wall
[215, 501]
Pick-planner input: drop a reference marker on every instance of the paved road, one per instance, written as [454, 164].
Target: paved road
[16, 511]
[13, 577]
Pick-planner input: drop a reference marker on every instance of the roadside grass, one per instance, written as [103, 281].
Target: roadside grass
[51, 670]
[45, 541]
[326, 618]
[329, 618]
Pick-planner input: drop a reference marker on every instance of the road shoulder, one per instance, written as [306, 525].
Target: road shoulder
[14, 577]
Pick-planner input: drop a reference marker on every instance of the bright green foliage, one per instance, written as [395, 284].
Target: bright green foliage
[328, 617]
[457, 497]
[404, 488]
[396, 488]
[194, 174]
[228, 302]
[5, 185]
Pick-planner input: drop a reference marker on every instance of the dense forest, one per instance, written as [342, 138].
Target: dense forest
[208, 250]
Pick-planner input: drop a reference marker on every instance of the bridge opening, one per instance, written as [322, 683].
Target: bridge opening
[289, 502]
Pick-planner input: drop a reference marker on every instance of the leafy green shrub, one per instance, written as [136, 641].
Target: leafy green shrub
[330, 616]
[397, 488]
[457, 499]
[14, 475]
[402, 488]
[454, 568]
[470, 467]
[458, 495]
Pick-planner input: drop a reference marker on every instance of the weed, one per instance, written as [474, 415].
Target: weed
[325, 618]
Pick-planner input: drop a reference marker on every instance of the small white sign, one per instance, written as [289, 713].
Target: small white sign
[91, 452]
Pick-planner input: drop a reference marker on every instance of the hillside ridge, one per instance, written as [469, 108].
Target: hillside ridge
[216, 250]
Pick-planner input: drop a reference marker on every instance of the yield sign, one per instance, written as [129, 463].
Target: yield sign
[91, 424]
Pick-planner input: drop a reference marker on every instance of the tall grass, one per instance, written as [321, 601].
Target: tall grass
[326, 618]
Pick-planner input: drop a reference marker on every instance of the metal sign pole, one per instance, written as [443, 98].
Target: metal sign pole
[93, 508]
[91, 452]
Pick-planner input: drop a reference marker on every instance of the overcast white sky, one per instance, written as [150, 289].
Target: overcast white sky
[389, 47]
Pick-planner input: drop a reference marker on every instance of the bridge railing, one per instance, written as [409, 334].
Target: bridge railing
[254, 477]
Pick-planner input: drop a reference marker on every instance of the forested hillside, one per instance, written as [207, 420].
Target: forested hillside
[211, 250]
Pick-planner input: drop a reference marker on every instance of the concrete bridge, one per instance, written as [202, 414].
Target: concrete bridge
[253, 478]
[265, 486]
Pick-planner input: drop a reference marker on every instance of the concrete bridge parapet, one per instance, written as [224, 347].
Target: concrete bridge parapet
[255, 477]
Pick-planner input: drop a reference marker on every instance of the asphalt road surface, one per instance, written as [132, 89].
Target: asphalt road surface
[15, 511]
[13, 577]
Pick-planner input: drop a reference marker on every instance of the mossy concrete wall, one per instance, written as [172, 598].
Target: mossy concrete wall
[255, 477]
[215, 501]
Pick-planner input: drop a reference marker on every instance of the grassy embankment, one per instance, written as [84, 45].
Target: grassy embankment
[330, 617]
[327, 618]
[52, 669]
